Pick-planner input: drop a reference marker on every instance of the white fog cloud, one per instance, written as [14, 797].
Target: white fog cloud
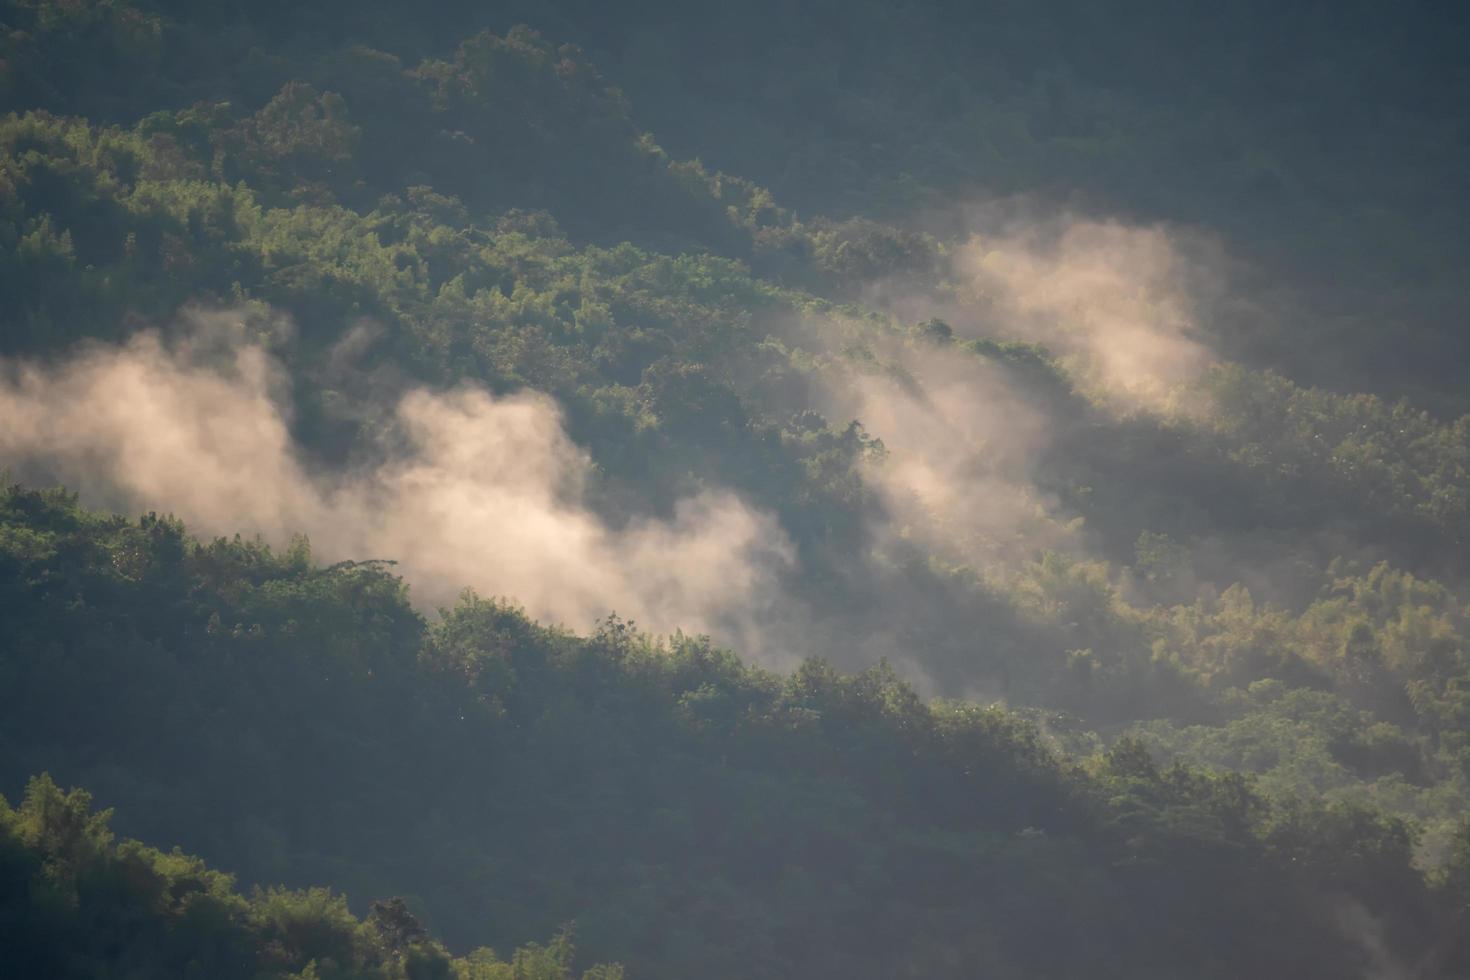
[1113, 300]
[962, 447]
[482, 492]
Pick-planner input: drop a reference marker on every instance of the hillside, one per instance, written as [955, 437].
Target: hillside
[1085, 565]
[690, 813]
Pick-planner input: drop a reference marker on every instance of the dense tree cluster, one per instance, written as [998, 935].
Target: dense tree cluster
[687, 811]
[79, 903]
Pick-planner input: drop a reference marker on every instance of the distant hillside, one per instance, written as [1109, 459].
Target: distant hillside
[1327, 148]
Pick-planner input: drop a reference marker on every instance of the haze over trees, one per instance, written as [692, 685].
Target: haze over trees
[806, 493]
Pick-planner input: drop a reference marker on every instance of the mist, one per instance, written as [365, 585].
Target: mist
[1111, 299]
[1125, 310]
[468, 490]
[962, 444]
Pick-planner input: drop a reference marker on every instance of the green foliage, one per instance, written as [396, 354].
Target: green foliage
[687, 810]
[1380, 461]
[76, 903]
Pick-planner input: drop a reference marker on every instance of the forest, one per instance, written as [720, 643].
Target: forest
[547, 490]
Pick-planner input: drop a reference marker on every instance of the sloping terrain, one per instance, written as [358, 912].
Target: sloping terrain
[1004, 503]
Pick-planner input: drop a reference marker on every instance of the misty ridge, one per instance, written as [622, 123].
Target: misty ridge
[468, 490]
[465, 490]
[1035, 340]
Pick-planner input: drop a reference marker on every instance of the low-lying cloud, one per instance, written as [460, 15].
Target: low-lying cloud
[478, 491]
[1113, 300]
[962, 446]
[1118, 306]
